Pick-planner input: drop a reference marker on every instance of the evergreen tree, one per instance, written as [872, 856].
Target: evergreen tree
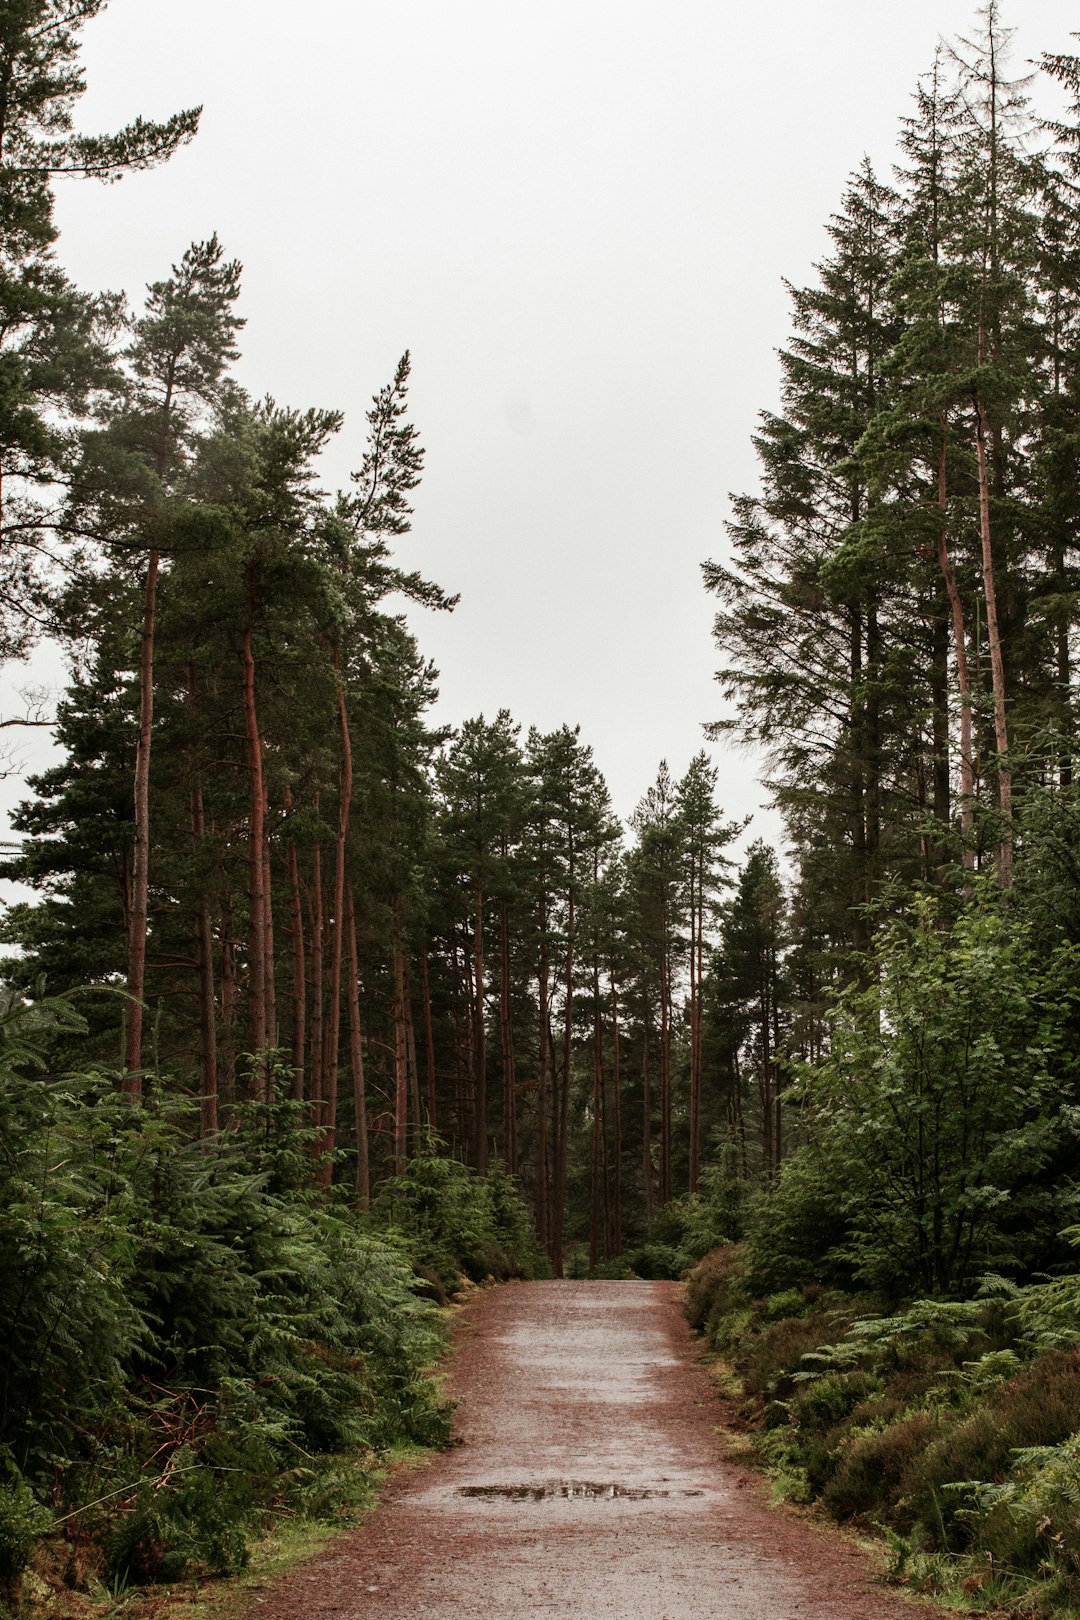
[54, 351]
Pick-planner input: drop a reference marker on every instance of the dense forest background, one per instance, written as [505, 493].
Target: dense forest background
[314, 998]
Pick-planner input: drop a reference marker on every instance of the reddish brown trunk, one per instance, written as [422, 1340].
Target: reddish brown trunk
[543, 1207]
[401, 1120]
[997, 663]
[316, 957]
[466, 1078]
[333, 1025]
[299, 970]
[140, 865]
[963, 673]
[480, 1131]
[506, 1038]
[697, 928]
[616, 1104]
[562, 1078]
[414, 1074]
[229, 997]
[665, 1065]
[356, 1055]
[597, 1120]
[204, 951]
[268, 933]
[256, 875]
[646, 1123]
[429, 1036]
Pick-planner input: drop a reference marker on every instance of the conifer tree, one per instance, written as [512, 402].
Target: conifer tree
[54, 355]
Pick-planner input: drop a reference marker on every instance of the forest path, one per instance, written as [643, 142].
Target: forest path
[588, 1483]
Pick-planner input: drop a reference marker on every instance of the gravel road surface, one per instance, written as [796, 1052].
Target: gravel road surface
[588, 1485]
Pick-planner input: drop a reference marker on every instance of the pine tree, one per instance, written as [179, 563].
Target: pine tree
[54, 350]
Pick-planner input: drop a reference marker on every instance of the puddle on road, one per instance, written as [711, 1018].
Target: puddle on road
[570, 1490]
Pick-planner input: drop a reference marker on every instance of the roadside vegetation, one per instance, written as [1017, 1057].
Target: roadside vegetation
[197, 1344]
[948, 1427]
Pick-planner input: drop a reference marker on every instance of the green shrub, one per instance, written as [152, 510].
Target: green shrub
[1032, 1522]
[457, 1224]
[827, 1401]
[194, 1521]
[873, 1465]
[713, 1289]
[22, 1521]
[655, 1262]
[770, 1360]
[1040, 1408]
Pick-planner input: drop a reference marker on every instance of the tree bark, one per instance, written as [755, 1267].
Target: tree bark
[229, 996]
[597, 1119]
[480, 1130]
[356, 1056]
[616, 1104]
[401, 1095]
[333, 1020]
[204, 940]
[429, 1037]
[140, 865]
[997, 662]
[256, 876]
[506, 1038]
[543, 1208]
[299, 968]
[316, 955]
[963, 672]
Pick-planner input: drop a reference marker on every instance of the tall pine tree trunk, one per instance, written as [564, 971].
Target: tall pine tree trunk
[257, 1033]
[317, 958]
[337, 944]
[299, 966]
[204, 951]
[480, 1124]
[562, 1119]
[616, 1103]
[356, 1057]
[997, 662]
[646, 1123]
[429, 1038]
[666, 1021]
[506, 1040]
[963, 672]
[401, 1093]
[597, 1120]
[229, 997]
[268, 929]
[139, 917]
[543, 1092]
[697, 925]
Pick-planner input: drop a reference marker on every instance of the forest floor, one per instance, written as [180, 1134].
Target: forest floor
[589, 1480]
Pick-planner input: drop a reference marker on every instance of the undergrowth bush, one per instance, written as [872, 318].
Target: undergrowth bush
[191, 1337]
[952, 1426]
[683, 1232]
[456, 1225]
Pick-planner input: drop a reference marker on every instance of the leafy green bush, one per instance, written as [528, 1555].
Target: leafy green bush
[1038, 1409]
[868, 1479]
[655, 1262]
[713, 1289]
[187, 1331]
[688, 1228]
[943, 1100]
[22, 1521]
[457, 1224]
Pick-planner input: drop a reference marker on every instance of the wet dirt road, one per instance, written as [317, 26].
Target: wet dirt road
[588, 1485]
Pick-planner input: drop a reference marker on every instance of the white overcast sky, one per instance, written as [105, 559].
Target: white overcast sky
[577, 216]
